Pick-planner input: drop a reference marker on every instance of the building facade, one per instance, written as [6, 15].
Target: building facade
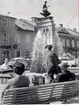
[17, 37]
[24, 37]
[7, 31]
[70, 40]
[26, 33]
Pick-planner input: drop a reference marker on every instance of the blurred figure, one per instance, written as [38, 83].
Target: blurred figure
[51, 62]
[48, 79]
[45, 11]
[4, 66]
[31, 78]
[66, 75]
[45, 7]
[6, 61]
[18, 80]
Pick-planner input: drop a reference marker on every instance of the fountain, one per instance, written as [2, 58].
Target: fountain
[42, 39]
[46, 35]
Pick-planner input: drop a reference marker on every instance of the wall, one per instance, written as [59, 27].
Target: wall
[25, 41]
[70, 49]
[7, 27]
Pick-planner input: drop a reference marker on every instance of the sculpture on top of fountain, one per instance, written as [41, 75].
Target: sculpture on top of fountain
[45, 11]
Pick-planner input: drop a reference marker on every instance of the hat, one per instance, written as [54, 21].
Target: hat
[45, 1]
[49, 47]
[64, 64]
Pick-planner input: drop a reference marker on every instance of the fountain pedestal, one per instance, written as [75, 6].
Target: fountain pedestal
[46, 22]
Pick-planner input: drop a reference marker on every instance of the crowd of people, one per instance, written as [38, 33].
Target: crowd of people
[55, 72]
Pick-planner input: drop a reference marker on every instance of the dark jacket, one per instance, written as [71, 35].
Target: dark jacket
[50, 63]
[66, 76]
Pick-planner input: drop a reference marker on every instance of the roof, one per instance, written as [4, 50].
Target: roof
[25, 24]
[31, 23]
[72, 32]
[62, 30]
[67, 31]
[2, 15]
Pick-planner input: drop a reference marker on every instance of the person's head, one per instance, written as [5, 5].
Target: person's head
[45, 1]
[19, 68]
[64, 66]
[49, 47]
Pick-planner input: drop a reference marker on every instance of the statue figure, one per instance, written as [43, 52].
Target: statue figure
[45, 7]
[45, 10]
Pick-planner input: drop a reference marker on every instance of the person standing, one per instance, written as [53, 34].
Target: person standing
[51, 61]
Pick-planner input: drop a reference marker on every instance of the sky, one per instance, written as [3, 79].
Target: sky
[63, 11]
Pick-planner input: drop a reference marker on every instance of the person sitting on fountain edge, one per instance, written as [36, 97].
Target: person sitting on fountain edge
[19, 80]
[66, 75]
[50, 62]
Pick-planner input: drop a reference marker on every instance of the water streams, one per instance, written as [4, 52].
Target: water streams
[58, 45]
[42, 39]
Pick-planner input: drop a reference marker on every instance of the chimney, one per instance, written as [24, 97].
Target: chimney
[74, 29]
[61, 25]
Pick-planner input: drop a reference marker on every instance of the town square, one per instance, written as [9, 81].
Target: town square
[39, 52]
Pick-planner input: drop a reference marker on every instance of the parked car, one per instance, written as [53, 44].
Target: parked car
[12, 62]
[71, 63]
[63, 59]
[4, 67]
[18, 59]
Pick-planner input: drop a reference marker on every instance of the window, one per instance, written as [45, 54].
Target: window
[77, 54]
[73, 43]
[18, 54]
[5, 22]
[73, 53]
[27, 54]
[63, 42]
[67, 42]
[17, 37]
[5, 38]
[61, 39]
[8, 23]
[78, 44]
[0, 80]
[28, 38]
